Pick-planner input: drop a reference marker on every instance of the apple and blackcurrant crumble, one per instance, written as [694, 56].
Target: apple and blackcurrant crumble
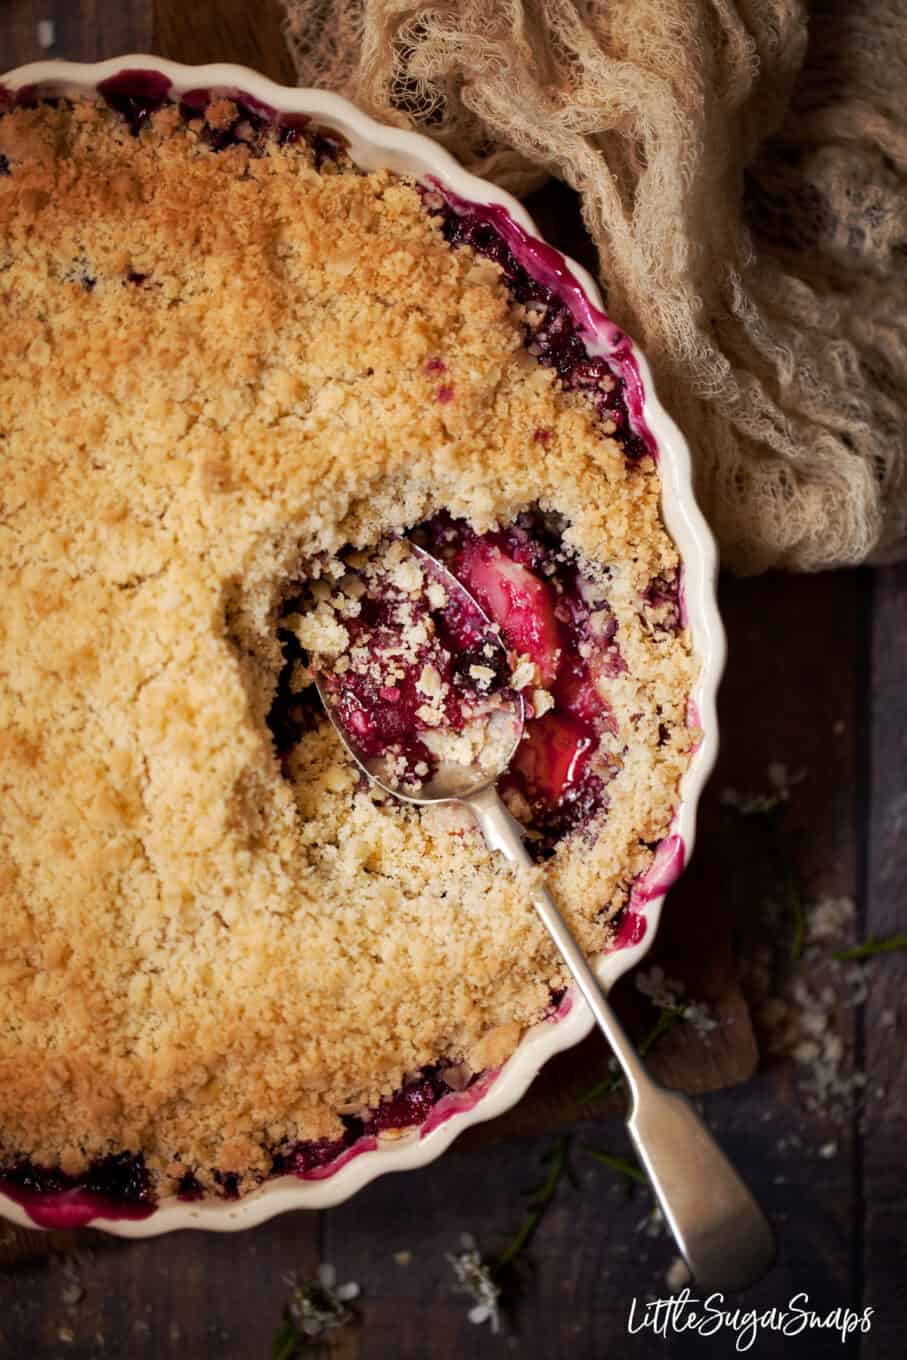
[235, 370]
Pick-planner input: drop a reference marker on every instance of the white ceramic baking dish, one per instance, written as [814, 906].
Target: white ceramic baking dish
[373, 145]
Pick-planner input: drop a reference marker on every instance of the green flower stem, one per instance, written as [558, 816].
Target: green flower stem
[872, 947]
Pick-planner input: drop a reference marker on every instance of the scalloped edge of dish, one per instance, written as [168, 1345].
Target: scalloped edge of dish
[373, 145]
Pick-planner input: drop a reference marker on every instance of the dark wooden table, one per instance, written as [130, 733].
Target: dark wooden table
[815, 680]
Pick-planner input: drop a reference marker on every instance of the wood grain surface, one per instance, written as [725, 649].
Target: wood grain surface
[815, 679]
[227, 30]
[880, 1253]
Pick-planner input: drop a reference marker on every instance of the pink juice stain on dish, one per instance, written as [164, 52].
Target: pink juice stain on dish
[458, 1102]
[565, 1006]
[547, 266]
[694, 722]
[368, 1143]
[73, 1208]
[664, 871]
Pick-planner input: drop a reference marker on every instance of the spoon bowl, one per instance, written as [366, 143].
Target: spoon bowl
[450, 781]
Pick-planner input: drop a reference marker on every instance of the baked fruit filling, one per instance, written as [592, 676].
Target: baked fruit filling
[242, 383]
[414, 672]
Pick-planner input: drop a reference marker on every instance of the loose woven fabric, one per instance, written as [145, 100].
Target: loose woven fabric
[746, 193]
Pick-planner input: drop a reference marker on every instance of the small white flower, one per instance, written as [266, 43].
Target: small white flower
[474, 1277]
[781, 781]
[318, 1306]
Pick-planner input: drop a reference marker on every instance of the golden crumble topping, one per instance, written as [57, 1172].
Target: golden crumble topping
[218, 366]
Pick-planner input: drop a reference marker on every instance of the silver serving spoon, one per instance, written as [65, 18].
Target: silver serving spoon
[721, 1232]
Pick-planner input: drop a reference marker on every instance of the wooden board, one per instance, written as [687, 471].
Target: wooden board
[880, 1247]
[225, 30]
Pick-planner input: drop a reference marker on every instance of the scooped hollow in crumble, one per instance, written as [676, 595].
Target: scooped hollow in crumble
[220, 367]
[413, 673]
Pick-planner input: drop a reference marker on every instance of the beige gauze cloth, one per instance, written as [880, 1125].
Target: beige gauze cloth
[745, 189]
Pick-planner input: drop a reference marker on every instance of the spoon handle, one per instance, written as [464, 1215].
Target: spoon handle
[719, 1228]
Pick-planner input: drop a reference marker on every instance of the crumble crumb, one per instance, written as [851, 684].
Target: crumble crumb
[429, 681]
[408, 576]
[484, 674]
[542, 702]
[525, 674]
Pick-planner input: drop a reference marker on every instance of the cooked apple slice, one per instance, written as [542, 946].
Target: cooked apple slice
[552, 755]
[518, 600]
